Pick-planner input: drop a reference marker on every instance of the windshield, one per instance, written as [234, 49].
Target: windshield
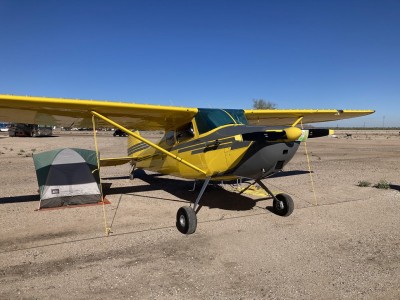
[238, 115]
[209, 118]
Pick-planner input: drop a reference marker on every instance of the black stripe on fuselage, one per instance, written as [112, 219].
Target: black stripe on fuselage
[204, 145]
[213, 147]
[220, 134]
[137, 148]
[223, 136]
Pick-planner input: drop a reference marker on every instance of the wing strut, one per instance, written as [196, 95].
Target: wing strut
[297, 121]
[179, 159]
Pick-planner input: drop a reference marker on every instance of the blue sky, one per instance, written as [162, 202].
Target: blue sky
[297, 54]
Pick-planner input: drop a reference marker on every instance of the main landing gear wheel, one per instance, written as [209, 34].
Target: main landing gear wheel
[186, 220]
[283, 205]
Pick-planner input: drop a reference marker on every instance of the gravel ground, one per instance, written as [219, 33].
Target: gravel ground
[342, 243]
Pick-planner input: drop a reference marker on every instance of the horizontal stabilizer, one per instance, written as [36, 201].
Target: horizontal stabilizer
[107, 162]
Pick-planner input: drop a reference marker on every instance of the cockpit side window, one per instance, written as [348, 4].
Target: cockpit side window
[184, 133]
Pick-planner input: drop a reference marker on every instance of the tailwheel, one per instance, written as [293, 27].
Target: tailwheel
[283, 205]
[186, 220]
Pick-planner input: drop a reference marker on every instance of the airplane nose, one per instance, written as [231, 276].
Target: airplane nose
[292, 133]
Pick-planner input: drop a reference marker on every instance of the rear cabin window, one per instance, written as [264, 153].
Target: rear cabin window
[208, 118]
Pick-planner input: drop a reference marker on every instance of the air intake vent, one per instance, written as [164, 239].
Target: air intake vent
[279, 165]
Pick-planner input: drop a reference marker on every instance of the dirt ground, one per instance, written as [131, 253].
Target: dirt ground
[341, 244]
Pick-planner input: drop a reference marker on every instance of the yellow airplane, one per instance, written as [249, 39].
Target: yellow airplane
[199, 143]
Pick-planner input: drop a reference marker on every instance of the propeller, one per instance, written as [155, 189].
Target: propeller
[289, 134]
[318, 132]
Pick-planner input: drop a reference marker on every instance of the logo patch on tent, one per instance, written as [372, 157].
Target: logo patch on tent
[55, 191]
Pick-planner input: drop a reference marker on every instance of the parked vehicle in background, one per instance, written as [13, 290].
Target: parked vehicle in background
[4, 126]
[20, 129]
[119, 132]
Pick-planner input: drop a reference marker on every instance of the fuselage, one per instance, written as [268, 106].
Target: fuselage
[225, 152]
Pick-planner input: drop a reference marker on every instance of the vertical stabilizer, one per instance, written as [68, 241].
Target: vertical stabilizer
[136, 146]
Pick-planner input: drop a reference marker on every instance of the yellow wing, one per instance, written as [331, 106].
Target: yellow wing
[77, 113]
[283, 117]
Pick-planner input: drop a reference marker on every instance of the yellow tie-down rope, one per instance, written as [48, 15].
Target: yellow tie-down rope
[106, 228]
[309, 168]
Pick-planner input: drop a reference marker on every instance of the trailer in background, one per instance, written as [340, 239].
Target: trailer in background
[20, 129]
[4, 126]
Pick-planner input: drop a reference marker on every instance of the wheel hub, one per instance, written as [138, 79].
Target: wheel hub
[182, 221]
[280, 205]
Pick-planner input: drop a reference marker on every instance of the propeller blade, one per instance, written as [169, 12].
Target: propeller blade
[318, 132]
[287, 134]
[263, 136]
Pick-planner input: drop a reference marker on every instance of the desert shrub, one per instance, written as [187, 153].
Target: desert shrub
[382, 184]
[364, 183]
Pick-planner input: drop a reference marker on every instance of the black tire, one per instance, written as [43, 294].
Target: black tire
[284, 206]
[186, 220]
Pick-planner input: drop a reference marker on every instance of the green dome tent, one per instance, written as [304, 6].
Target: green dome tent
[67, 176]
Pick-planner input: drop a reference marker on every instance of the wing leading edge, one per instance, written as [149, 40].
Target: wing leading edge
[77, 113]
[287, 117]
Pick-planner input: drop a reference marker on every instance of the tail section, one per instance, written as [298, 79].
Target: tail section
[136, 146]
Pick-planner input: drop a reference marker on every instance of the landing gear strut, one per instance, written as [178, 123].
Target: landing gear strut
[283, 204]
[132, 172]
[186, 219]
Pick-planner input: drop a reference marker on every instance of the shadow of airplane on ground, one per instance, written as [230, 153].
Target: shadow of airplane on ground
[395, 187]
[289, 173]
[18, 199]
[214, 196]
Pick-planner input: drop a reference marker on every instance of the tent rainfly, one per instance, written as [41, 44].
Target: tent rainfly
[67, 176]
